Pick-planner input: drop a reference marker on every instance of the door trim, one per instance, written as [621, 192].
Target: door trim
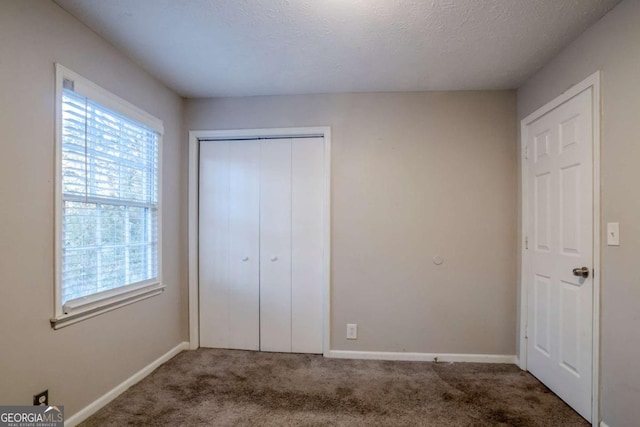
[593, 81]
[192, 214]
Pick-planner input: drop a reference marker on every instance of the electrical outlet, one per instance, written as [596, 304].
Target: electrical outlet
[352, 331]
[41, 399]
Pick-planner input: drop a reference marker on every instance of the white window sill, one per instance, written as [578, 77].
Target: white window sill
[79, 310]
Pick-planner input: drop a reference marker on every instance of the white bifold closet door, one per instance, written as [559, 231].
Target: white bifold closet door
[307, 253]
[261, 203]
[275, 245]
[229, 223]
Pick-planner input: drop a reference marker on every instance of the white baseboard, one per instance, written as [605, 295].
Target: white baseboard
[103, 400]
[603, 424]
[422, 357]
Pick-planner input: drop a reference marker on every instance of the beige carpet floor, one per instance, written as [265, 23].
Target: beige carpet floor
[239, 388]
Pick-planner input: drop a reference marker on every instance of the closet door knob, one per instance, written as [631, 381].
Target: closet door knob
[245, 259]
[274, 258]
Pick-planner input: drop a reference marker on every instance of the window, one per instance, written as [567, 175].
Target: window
[107, 201]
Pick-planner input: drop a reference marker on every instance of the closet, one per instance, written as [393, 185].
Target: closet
[261, 244]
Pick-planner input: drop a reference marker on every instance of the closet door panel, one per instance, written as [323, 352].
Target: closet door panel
[214, 244]
[307, 250]
[275, 245]
[244, 241]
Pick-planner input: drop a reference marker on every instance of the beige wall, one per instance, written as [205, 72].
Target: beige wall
[414, 175]
[81, 362]
[613, 46]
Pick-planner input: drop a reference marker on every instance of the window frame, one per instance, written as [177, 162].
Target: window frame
[101, 302]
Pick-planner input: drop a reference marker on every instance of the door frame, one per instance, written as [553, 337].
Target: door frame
[195, 137]
[593, 81]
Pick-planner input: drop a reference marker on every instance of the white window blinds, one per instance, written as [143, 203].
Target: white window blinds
[110, 199]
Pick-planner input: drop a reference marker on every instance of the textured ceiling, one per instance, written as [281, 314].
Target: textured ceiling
[204, 48]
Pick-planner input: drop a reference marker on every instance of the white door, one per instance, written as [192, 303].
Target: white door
[275, 245]
[229, 244]
[560, 239]
[261, 244]
[291, 252]
[307, 160]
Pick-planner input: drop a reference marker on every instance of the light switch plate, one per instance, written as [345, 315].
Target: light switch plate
[352, 331]
[613, 234]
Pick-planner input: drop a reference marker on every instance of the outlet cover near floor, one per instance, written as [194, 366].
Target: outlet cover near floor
[41, 399]
[352, 331]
